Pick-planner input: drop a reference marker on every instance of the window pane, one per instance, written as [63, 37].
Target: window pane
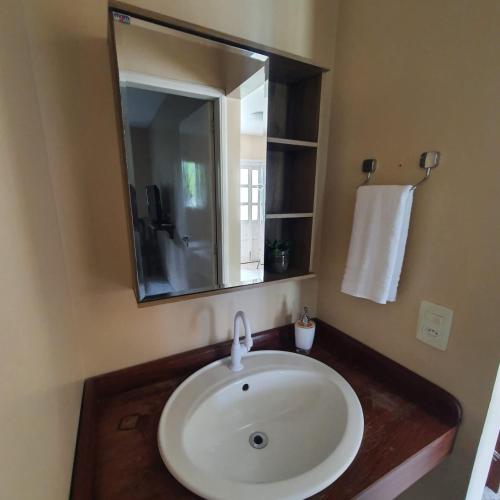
[255, 195]
[255, 177]
[244, 195]
[244, 176]
[255, 212]
[244, 212]
[193, 183]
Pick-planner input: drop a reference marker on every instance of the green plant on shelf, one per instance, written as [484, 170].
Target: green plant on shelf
[277, 255]
[277, 247]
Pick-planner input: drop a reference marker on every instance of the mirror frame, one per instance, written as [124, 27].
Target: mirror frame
[280, 64]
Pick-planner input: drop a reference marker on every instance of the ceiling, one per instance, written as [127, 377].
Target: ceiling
[142, 106]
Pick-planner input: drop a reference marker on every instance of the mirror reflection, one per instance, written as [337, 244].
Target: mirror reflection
[194, 114]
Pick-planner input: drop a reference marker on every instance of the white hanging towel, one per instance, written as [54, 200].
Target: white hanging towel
[378, 240]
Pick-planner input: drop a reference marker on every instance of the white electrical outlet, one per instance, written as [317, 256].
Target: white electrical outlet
[434, 324]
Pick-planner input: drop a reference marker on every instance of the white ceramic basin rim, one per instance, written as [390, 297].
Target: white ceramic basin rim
[307, 420]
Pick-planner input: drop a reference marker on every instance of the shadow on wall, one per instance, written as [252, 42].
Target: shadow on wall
[32, 214]
[91, 188]
[285, 316]
[204, 315]
[40, 371]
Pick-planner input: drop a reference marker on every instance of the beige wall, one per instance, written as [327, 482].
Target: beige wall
[414, 76]
[40, 375]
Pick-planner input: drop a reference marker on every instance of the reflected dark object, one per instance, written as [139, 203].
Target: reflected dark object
[279, 261]
[136, 226]
[154, 204]
[277, 256]
[157, 218]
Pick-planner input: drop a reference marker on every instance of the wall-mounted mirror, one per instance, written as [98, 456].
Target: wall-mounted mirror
[194, 114]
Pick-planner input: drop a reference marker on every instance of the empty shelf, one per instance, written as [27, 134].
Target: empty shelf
[280, 144]
[289, 216]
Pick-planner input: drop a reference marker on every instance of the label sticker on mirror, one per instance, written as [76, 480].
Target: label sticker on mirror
[121, 18]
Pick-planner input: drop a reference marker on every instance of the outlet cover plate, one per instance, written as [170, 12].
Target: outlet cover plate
[434, 325]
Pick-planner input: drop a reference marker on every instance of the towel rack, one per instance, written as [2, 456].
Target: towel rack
[428, 161]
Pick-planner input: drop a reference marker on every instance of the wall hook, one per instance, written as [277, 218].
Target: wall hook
[428, 160]
[368, 167]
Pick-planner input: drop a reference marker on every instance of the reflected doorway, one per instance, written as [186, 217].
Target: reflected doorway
[171, 169]
[252, 219]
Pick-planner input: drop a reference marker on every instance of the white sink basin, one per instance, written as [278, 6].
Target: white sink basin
[284, 427]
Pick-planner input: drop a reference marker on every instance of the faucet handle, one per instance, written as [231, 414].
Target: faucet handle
[248, 341]
[248, 332]
[237, 351]
[240, 349]
[247, 346]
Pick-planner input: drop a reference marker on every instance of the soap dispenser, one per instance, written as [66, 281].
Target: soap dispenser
[305, 328]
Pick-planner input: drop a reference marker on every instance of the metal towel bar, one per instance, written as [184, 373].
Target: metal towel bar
[428, 161]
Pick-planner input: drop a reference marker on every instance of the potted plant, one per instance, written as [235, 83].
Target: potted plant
[278, 255]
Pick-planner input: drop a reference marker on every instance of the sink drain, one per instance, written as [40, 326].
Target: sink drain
[258, 440]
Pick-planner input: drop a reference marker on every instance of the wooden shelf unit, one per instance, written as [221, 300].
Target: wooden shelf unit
[289, 273]
[301, 215]
[279, 144]
[294, 108]
[293, 127]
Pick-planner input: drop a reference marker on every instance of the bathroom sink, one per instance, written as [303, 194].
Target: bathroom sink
[284, 427]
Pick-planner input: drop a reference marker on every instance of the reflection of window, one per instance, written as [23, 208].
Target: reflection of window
[244, 176]
[249, 193]
[193, 181]
[244, 212]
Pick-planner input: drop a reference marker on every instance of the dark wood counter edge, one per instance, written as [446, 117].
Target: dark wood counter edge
[82, 482]
[186, 363]
[407, 383]
[411, 470]
[435, 400]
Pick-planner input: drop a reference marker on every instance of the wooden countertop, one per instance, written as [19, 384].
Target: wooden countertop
[410, 423]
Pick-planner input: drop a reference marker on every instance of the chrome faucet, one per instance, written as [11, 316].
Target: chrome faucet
[240, 349]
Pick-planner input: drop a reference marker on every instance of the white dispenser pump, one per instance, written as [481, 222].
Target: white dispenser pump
[305, 329]
[305, 317]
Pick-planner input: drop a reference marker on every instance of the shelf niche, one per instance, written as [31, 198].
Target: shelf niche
[293, 126]
[297, 232]
[294, 109]
[290, 179]
[278, 144]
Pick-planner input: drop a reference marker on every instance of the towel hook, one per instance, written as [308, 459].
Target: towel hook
[368, 167]
[428, 160]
